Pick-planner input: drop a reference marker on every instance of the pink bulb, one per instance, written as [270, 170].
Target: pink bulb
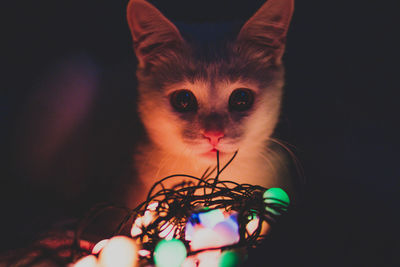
[204, 238]
[190, 262]
[226, 233]
[209, 258]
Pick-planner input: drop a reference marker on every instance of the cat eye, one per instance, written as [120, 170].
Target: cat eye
[183, 101]
[241, 100]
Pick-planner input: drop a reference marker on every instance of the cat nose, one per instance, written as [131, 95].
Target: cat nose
[213, 136]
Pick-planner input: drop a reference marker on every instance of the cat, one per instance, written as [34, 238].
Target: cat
[195, 100]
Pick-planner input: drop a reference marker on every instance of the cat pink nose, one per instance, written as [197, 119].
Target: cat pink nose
[213, 136]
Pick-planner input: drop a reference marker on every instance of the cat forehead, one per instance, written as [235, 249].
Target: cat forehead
[181, 67]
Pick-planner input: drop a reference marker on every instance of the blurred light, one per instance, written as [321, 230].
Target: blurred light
[148, 217]
[189, 230]
[252, 225]
[120, 251]
[204, 238]
[144, 220]
[169, 253]
[99, 246]
[212, 229]
[137, 227]
[229, 258]
[276, 196]
[167, 231]
[209, 258]
[135, 231]
[227, 233]
[88, 261]
[211, 218]
[190, 262]
[152, 206]
[144, 253]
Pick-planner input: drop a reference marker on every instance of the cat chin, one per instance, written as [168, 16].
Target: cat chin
[212, 154]
[210, 157]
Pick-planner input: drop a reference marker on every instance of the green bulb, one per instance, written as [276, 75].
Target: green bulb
[169, 253]
[276, 196]
[252, 215]
[229, 258]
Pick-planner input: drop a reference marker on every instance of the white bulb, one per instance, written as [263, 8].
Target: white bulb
[88, 261]
[120, 251]
[209, 258]
[189, 262]
[167, 231]
[99, 246]
[252, 225]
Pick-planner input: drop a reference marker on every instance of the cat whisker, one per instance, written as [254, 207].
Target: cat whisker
[268, 160]
[296, 161]
[161, 165]
[178, 159]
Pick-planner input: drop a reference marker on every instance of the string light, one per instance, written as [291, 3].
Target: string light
[205, 213]
[201, 221]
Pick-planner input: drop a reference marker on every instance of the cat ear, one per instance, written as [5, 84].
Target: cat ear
[151, 31]
[268, 27]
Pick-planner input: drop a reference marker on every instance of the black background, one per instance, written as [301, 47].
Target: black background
[339, 112]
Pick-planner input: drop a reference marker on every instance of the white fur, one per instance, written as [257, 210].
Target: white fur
[167, 153]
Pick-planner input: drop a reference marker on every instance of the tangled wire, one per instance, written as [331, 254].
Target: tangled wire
[167, 211]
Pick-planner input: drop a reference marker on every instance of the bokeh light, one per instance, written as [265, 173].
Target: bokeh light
[229, 258]
[169, 253]
[276, 196]
[120, 251]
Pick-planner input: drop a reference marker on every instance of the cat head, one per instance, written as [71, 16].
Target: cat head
[196, 99]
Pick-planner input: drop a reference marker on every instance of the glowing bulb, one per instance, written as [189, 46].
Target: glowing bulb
[204, 238]
[99, 246]
[227, 233]
[136, 230]
[152, 206]
[169, 253]
[88, 261]
[120, 251]
[209, 258]
[210, 218]
[276, 196]
[148, 217]
[144, 253]
[139, 221]
[189, 229]
[167, 231]
[190, 262]
[253, 224]
[229, 258]
[212, 229]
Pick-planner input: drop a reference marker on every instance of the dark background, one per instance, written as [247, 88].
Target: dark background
[68, 120]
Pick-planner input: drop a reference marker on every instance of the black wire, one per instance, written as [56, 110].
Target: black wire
[194, 194]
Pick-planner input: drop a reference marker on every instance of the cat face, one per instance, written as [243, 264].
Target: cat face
[197, 116]
[195, 100]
